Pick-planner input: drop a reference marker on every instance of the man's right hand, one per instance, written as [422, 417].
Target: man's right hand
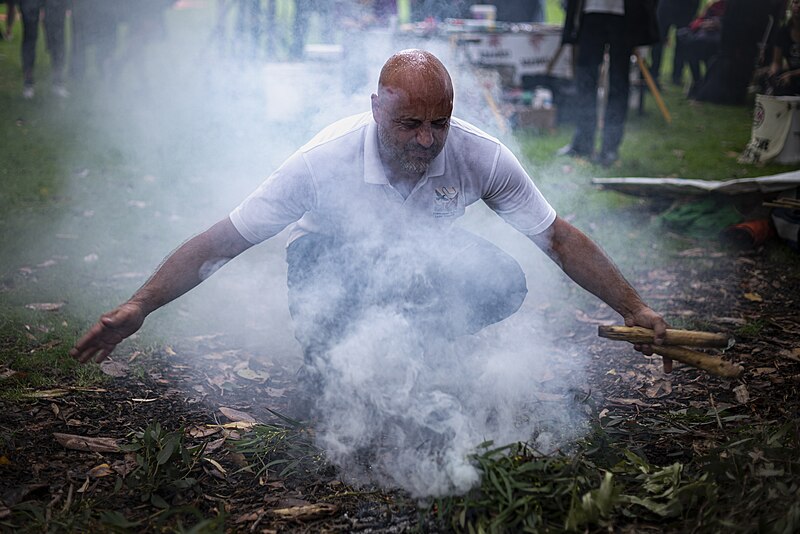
[103, 337]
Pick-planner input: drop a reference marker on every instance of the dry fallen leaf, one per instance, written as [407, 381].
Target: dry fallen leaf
[7, 373]
[84, 487]
[102, 470]
[128, 275]
[249, 516]
[214, 445]
[125, 466]
[202, 432]
[659, 389]
[584, 318]
[46, 394]
[85, 443]
[236, 415]
[113, 368]
[45, 306]
[742, 395]
[237, 425]
[308, 512]
[250, 374]
[216, 464]
[627, 402]
[754, 297]
[275, 392]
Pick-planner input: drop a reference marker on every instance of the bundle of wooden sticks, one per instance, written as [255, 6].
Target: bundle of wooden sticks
[671, 348]
[790, 203]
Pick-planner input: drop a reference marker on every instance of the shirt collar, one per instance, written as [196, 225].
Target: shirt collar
[373, 168]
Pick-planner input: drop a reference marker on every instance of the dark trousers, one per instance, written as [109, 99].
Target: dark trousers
[597, 31]
[696, 48]
[94, 25]
[677, 13]
[446, 288]
[55, 15]
[248, 26]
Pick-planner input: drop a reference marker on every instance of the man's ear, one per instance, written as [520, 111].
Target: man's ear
[376, 107]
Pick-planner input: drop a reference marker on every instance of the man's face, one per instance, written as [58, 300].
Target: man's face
[412, 129]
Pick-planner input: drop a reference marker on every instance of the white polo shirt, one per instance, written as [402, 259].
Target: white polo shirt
[336, 185]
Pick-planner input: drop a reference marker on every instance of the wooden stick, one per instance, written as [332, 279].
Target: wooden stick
[498, 117]
[781, 203]
[653, 88]
[552, 62]
[715, 366]
[693, 338]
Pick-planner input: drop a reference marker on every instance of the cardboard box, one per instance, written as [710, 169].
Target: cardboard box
[527, 117]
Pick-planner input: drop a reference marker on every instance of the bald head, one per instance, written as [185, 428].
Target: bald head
[418, 74]
[412, 110]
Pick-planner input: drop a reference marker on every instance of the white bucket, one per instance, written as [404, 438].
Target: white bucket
[776, 131]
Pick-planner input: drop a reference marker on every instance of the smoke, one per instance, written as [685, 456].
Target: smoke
[408, 411]
[408, 383]
[187, 133]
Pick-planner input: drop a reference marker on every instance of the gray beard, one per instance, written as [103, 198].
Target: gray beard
[417, 167]
[408, 165]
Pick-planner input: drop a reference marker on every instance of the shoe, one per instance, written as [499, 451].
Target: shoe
[28, 92]
[60, 91]
[572, 152]
[606, 159]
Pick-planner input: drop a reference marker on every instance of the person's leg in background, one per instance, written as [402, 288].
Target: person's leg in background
[30, 11]
[11, 17]
[664, 13]
[682, 19]
[82, 18]
[269, 28]
[54, 22]
[302, 9]
[591, 47]
[618, 91]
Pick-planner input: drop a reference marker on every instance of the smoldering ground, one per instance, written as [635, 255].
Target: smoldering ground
[400, 408]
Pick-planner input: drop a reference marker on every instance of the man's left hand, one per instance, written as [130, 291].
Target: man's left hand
[648, 318]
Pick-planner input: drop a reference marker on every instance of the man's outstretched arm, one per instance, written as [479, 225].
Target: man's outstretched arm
[186, 267]
[583, 261]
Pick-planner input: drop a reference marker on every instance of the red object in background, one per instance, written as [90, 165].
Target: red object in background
[748, 233]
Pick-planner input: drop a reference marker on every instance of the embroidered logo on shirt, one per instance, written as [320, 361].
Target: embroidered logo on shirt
[446, 202]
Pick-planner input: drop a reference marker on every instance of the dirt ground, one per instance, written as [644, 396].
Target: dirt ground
[748, 293]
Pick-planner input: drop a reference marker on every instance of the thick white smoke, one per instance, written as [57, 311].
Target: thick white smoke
[409, 412]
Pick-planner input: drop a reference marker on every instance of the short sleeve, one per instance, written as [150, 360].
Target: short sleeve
[513, 196]
[283, 198]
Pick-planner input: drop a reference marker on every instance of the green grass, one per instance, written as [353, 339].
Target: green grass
[35, 346]
[607, 487]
